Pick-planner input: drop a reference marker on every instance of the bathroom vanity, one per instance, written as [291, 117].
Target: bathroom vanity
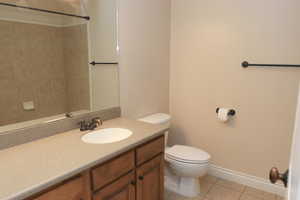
[127, 170]
[138, 171]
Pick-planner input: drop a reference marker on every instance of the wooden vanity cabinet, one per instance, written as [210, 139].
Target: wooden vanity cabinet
[150, 170]
[135, 175]
[150, 179]
[145, 181]
[122, 189]
[112, 170]
[72, 189]
[149, 150]
[146, 184]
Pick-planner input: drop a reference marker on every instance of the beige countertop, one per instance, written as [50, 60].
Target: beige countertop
[30, 168]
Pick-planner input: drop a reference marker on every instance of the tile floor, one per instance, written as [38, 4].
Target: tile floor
[213, 188]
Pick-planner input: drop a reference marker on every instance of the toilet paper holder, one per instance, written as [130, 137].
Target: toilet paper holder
[230, 113]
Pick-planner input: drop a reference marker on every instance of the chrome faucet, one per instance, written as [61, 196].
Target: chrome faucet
[95, 122]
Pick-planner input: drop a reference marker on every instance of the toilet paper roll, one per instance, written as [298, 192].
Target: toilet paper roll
[223, 114]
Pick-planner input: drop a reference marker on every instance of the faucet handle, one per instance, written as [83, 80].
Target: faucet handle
[98, 121]
[83, 125]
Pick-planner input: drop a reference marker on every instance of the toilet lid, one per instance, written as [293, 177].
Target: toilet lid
[187, 154]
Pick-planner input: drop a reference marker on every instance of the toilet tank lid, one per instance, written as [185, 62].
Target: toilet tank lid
[187, 153]
[158, 118]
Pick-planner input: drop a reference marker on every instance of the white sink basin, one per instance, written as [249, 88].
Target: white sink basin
[105, 136]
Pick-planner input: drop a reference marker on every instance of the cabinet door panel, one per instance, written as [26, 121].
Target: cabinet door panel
[112, 170]
[150, 178]
[150, 150]
[69, 190]
[122, 189]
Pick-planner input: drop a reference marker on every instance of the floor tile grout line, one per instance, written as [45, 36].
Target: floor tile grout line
[243, 192]
[240, 197]
[229, 188]
[210, 188]
[239, 193]
[259, 197]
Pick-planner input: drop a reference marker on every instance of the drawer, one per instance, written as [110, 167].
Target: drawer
[122, 189]
[71, 189]
[112, 170]
[149, 150]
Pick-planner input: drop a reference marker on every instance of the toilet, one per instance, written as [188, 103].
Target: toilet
[185, 164]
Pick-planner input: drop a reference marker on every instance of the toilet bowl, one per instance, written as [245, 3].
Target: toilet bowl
[184, 164]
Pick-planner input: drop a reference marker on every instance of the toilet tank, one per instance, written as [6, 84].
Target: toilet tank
[158, 118]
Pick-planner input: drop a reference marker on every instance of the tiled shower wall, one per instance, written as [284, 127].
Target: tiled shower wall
[76, 67]
[34, 67]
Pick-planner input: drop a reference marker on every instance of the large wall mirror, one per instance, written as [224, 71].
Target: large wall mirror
[46, 48]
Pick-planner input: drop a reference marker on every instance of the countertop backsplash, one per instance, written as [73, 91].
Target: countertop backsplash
[42, 130]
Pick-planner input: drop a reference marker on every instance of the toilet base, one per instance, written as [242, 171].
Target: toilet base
[184, 186]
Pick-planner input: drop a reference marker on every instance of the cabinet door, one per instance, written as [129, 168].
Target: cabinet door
[112, 170]
[149, 150]
[150, 179]
[69, 190]
[121, 189]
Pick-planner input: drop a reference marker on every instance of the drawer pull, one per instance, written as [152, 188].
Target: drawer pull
[141, 178]
[133, 183]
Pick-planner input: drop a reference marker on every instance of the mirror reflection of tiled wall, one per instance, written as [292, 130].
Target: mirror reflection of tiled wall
[45, 65]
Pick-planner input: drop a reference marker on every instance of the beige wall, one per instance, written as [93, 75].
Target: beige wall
[103, 30]
[103, 48]
[210, 39]
[144, 32]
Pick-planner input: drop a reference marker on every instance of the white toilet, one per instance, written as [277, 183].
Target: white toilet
[185, 164]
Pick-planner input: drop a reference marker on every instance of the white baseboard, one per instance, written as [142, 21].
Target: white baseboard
[248, 180]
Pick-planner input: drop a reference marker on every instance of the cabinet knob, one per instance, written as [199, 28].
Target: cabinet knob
[133, 183]
[141, 178]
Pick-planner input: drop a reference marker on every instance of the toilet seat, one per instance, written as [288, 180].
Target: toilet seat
[186, 154]
[184, 162]
[169, 158]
